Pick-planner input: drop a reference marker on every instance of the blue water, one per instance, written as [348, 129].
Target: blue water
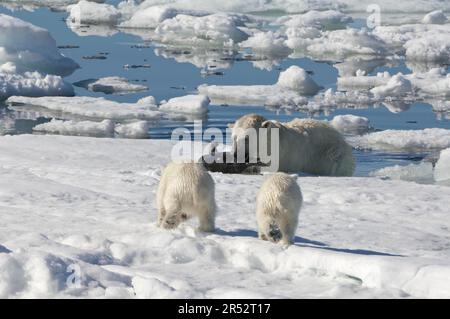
[166, 76]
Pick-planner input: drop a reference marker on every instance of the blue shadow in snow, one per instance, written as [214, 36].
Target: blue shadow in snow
[4, 250]
[304, 242]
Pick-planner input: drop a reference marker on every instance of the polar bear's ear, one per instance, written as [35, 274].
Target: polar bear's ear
[266, 124]
[230, 125]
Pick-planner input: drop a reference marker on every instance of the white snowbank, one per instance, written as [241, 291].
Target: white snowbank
[31, 84]
[112, 85]
[114, 244]
[351, 124]
[442, 169]
[212, 30]
[189, 104]
[290, 89]
[404, 140]
[87, 12]
[435, 17]
[419, 173]
[98, 108]
[31, 48]
[83, 128]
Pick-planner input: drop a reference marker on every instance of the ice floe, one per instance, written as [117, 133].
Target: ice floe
[290, 90]
[388, 238]
[328, 20]
[189, 104]
[88, 12]
[420, 173]
[435, 17]
[403, 140]
[31, 48]
[111, 85]
[82, 128]
[351, 124]
[137, 130]
[31, 83]
[442, 169]
[96, 108]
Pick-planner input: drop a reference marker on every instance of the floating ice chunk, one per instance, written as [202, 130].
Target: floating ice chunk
[87, 12]
[31, 48]
[442, 169]
[337, 44]
[420, 173]
[351, 124]
[429, 48]
[151, 17]
[111, 85]
[135, 130]
[329, 19]
[290, 89]
[362, 81]
[403, 140]
[435, 17]
[31, 84]
[96, 108]
[268, 43]
[189, 104]
[297, 79]
[211, 30]
[83, 128]
[397, 85]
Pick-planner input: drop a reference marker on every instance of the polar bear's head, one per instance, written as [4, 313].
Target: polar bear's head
[246, 143]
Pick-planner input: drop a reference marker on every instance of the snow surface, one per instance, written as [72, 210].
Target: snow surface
[112, 85]
[31, 48]
[96, 108]
[290, 89]
[78, 220]
[404, 140]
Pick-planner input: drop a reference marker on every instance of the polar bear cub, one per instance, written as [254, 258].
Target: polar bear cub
[186, 190]
[277, 208]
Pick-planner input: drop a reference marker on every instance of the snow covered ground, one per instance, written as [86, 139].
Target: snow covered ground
[78, 220]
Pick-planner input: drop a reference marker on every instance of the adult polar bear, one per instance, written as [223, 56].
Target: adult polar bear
[305, 145]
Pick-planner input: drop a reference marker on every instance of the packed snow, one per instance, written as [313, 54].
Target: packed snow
[111, 85]
[290, 90]
[139, 129]
[31, 48]
[357, 237]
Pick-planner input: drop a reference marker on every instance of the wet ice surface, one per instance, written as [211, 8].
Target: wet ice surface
[169, 72]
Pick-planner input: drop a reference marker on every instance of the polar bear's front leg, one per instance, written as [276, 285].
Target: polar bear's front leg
[288, 229]
[172, 217]
[206, 218]
[161, 215]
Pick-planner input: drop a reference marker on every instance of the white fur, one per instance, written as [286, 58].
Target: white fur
[186, 190]
[306, 145]
[277, 208]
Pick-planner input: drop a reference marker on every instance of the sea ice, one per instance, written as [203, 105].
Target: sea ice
[111, 85]
[420, 173]
[189, 104]
[442, 169]
[88, 12]
[351, 124]
[82, 128]
[31, 48]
